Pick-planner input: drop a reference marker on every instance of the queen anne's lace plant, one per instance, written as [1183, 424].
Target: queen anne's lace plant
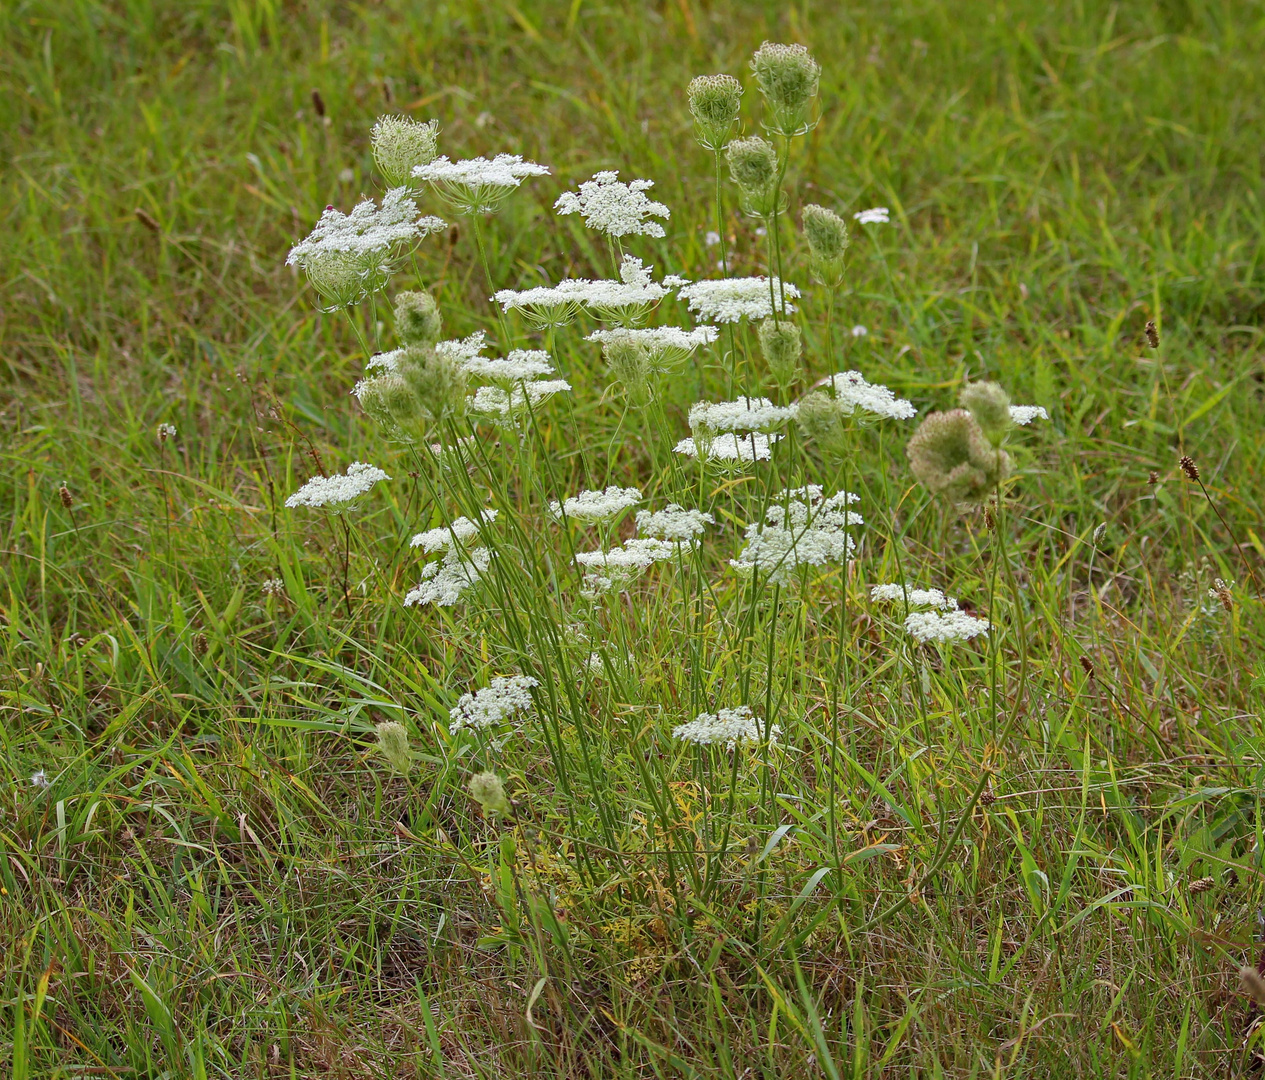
[506, 698]
[853, 394]
[460, 532]
[664, 346]
[546, 305]
[508, 407]
[727, 727]
[444, 583]
[1023, 415]
[521, 365]
[877, 215]
[731, 299]
[914, 597]
[613, 207]
[948, 626]
[614, 570]
[744, 414]
[477, 185]
[803, 528]
[729, 448]
[673, 522]
[464, 350]
[631, 298]
[596, 506]
[338, 492]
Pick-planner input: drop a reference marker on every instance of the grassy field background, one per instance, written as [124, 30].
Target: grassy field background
[221, 880]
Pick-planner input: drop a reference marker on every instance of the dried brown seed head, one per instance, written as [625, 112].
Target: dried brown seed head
[67, 499]
[1202, 885]
[1152, 334]
[1189, 467]
[1252, 984]
[1087, 665]
[318, 103]
[1153, 477]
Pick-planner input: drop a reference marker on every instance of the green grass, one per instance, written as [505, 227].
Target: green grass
[223, 880]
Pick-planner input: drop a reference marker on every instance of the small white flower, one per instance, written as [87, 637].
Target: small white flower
[477, 185]
[726, 726]
[730, 299]
[505, 698]
[859, 331]
[712, 238]
[613, 207]
[853, 393]
[460, 532]
[546, 305]
[1025, 414]
[630, 298]
[508, 406]
[614, 570]
[665, 346]
[744, 414]
[915, 597]
[875, 216]
[521, 365]
[673, 522]
[596, 506]
[731, 448]
[368, 229]
[165, 432]
[273, 587]
[445, 583]
[338, 491]
[761, 231]
[804, 528]
[949, 626]
[40, 780]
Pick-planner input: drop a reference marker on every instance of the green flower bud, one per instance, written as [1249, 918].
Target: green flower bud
[629, 363]
[437, 381]
[400, 143]
[780, 343]
[823, 423]
[787, 76]
[393, 746]
[990, 405]
[714, 103]
[417, 319]
[338, 276]
[753, 167]
[827, 236]
[951, 455]
[487, 790]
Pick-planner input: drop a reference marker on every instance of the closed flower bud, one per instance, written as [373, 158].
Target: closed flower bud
[822, 422]
[487, 790]
[338, 276]
[393, 746]
[787, 76]
[417, 319]
[952, 456]
[629, 362]
[827, 236]
[753, 167]
[401, 143]
[437, 381]
[990, 405]
[714, 103]
[780, 343]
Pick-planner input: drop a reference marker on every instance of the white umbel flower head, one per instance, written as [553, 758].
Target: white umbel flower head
[726, 727]
[596, 506]
[944, 627]
[629, 299]
[853, 394]
[508, 407]
[614, 570]
[731, 299]
[877, 215]
[744, 414]
[896, 594]
[803, 528]
[505, 699]
[477, 185]
[460, 532]
[1023, 415]
[664, 346]
[545, 305]
[673, 522]
[445, 583]
[338, 492]
[613, 207]
[729, 449]
[521, 365]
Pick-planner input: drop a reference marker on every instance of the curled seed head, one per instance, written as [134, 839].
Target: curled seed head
[788, 77]
[781, 344]
[951, 456]
[753, 167]
[990, 405]
[826, 233]
[714, 103]
[401, 143]
[417, 318]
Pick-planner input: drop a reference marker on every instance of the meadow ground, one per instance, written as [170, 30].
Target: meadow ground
[1035, 854]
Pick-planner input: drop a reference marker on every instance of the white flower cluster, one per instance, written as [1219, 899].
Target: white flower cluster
[463, 350]
[444, 583]
[366, 230]
[460, 532]
[613, 207]
[507, 407]
[596, 506]
[505, 698]
[744, 414]
[853, 394]
[273, 587]
[338, 491]
[727, 726]
[545, 305]
[730, 299]
[673, 522]
[165, 432]
[521, 365]
[631, 296]
[877, 215]
[1023, 415]
[803, 528]
[948, 626]
[477, 185]
[664, 346]
[614, 570]
[729, 449]
[914, 597]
